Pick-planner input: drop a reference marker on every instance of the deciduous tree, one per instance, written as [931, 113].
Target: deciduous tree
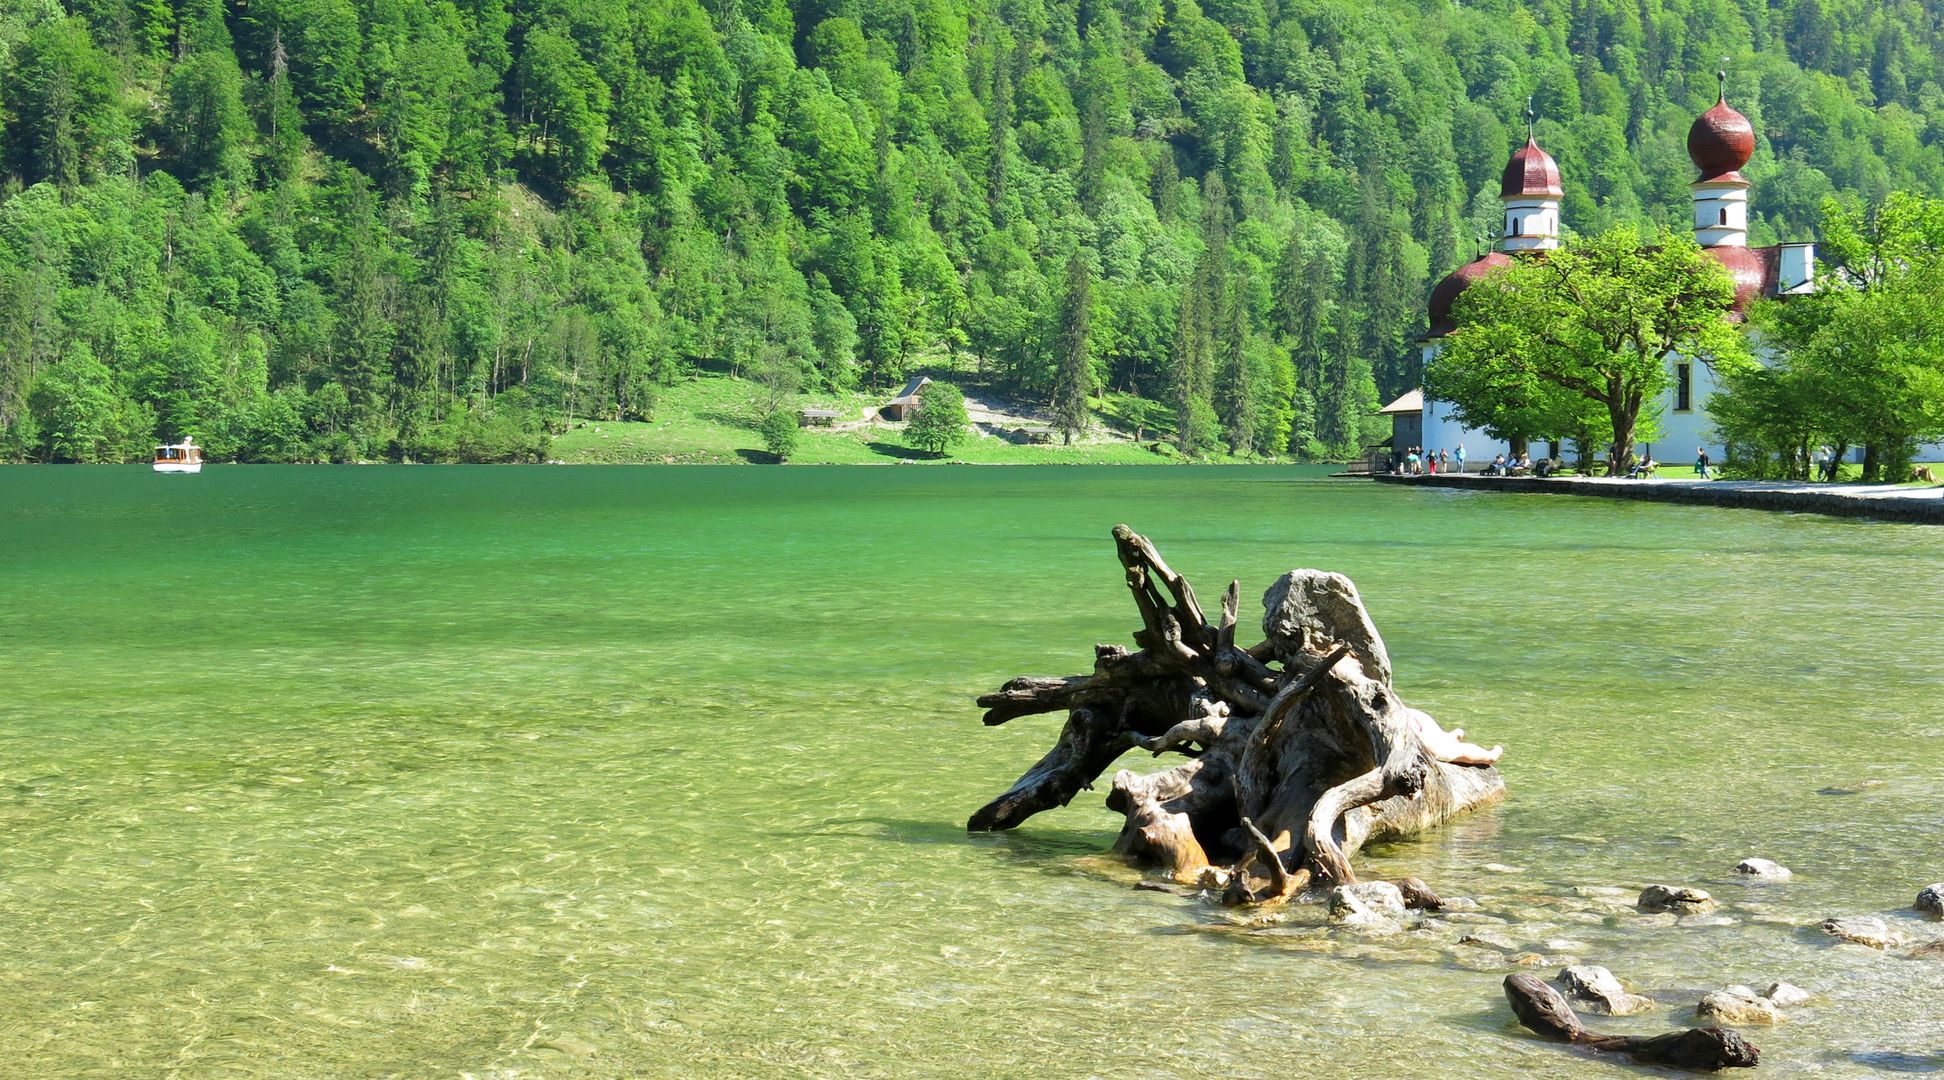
[1595, 320]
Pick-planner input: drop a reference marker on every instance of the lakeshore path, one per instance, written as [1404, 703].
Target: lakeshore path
[1891, 502]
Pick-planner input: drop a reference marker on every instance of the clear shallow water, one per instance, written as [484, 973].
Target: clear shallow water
[504, 772]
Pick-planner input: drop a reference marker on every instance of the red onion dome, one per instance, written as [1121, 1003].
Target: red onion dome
[1753, 270]
[1531, 172]
[1720, 142]
[1447, 291]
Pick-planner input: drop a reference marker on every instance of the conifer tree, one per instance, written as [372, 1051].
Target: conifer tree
[1238, 389]
[1074, 384]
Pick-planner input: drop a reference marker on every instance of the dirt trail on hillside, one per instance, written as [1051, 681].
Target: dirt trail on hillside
[990, 415]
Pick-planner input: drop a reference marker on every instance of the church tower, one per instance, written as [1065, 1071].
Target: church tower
[1721, 142]
[1530, 191]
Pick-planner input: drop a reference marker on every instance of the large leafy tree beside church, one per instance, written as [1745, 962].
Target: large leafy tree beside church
[1859, 362]
[1590, 324]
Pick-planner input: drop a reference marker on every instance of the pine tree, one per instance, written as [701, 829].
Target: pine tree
[1203, 301]
[1074, 383]
[1238, 390]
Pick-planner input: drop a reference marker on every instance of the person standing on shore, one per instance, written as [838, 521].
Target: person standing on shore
[1460, 455]
[1701, 463]
[1444, 461]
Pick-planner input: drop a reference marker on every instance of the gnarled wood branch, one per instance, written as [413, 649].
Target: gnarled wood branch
[1543, 1010]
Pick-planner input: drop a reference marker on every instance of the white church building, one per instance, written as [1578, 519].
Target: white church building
[1720, 142]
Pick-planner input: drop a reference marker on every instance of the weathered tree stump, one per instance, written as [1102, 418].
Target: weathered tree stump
[1299, 751]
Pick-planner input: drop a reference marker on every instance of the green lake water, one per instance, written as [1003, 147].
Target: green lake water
[556, 772]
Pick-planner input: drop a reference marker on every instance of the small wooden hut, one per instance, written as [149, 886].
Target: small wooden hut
[1407, 420]
[900, 407]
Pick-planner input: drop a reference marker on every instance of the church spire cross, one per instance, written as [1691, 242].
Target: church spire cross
[1530, 117]
[1721, 83]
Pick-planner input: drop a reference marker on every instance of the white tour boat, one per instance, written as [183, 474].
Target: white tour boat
[182, 457]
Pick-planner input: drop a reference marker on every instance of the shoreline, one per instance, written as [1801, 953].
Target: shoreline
[1889, 502]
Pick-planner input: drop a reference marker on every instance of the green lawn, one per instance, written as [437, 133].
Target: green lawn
[712, 420]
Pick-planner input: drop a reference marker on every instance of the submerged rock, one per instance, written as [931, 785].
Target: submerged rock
[1763, 870]
[1788, 995]
[1376, 895]
[1418, 895]
[1930, 950]
[1931, 901]
[1489, 941]
[1675, 898]
[1349, 911]
[1863, 930]
[1597, 986]
[1738, 1005]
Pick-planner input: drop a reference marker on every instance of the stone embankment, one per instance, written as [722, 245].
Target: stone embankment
[1890, 502]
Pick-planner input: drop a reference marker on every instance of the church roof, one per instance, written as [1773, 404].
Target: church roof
[1447, 291]
[1754, 271]
[1530, 173]
[1721, 142]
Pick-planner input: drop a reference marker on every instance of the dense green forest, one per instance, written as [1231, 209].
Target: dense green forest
[437, 229]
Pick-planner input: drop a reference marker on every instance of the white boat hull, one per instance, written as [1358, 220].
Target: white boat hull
[178, 466]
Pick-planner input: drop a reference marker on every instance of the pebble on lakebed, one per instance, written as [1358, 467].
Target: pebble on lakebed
[1597, 987]
[1931, 900]
[1788, 995]
[1763, 870]
[1738, 1005]
[1863, 930]
[1675, 898]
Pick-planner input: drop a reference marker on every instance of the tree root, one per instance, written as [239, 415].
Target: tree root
[1543, 1009]
[1298, 750]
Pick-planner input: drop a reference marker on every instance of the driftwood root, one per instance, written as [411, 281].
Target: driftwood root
[1298, 750]
[1544, 1011]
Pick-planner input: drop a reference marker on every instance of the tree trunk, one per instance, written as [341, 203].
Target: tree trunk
[1620, 454]
[1299, 752]
[1872, 463]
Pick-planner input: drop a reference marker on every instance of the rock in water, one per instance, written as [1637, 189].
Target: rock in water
[1931, 900]
[1738, 1005]
[1490, 941]
[1418, 896]
[1932, 950]
[1675, 898]
[1348, 911]
[1762, 870]
[1863, 930]
[1378, 896]
[1788, 995]
[1597, 986]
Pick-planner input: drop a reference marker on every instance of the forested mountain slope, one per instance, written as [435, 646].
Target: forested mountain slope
[343, 228]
